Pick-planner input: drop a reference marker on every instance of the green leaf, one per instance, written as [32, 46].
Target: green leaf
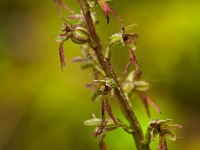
[96, 96]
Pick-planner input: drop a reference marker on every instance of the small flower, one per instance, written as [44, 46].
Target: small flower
[164, 130]
[133, 83]
[78, 35]
[125, 40]
[103, 88]
[103, 126]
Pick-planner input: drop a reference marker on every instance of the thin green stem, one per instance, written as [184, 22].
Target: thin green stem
[106, 66]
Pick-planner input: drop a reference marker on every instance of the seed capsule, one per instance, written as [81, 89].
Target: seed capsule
[116, 40]
[79, 35]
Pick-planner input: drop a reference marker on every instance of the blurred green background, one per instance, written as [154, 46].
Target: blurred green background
[44, 108]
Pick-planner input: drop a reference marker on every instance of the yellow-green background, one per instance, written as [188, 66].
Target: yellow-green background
[42, 108]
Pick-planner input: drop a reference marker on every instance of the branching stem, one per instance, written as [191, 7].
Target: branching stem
[106, 66]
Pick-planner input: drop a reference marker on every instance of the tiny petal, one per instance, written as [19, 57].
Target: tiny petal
[132, 59]
[106, 8]
[96, 96]
[76, 16]
[78, 59]
[62, 56]
[60, 2]
[59, 39]
[174, 126]
[93, 122]
[145, 98]
[92, 3]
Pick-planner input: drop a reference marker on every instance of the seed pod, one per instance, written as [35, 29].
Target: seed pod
[116, 40]
[79, 35]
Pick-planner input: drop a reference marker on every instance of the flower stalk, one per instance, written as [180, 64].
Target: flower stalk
[84, 34]
[106, 66]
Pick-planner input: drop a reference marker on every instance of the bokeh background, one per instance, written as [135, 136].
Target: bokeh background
[44, 108]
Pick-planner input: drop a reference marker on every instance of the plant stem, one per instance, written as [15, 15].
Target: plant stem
[106, 66]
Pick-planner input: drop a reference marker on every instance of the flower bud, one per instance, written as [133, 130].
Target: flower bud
[79, 35]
